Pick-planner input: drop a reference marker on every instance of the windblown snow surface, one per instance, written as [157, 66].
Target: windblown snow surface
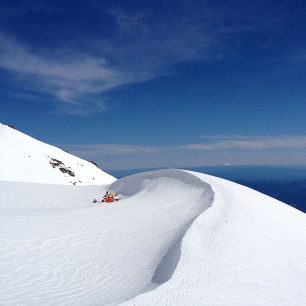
[25, 159]
[174, 238]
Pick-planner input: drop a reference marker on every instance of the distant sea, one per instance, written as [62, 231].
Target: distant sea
[285, 183]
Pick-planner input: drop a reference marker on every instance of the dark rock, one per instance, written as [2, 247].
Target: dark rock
[11, 126]
[56, 162]
[91, 161]
[65, 170]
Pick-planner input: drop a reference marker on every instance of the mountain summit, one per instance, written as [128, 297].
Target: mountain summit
[25, 159]
[175, 237]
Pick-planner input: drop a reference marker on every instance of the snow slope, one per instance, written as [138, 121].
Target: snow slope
[25, 159]
[247, 249]
[174, 238]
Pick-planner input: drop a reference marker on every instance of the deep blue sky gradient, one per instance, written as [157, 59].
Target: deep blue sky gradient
[162, 75]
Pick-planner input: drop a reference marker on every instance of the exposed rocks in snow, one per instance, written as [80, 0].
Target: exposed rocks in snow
[65, 170]
[91, 161]
[11, 126]
[25, 159]
[174, 238]
[55, 163]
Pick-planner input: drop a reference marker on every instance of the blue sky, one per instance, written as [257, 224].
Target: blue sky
[158, 83]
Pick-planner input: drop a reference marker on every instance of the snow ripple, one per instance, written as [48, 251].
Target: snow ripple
[95, 254]
[175, 238]
[143, 181]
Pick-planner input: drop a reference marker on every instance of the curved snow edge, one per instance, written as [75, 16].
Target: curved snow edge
[169, 261]
[228, 253]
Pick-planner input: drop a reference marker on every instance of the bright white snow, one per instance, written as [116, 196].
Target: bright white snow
[25, 159]
[58, 248]
[174, 238]
[246, 249]
[88, 254]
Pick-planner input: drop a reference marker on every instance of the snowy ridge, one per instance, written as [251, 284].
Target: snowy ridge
[175, 238]
[79, 253]
[247, 249]
[154, 180]
[25, 159]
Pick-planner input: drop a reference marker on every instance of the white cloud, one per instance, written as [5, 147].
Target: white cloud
[218, 150]
[144, 44]
[248, 142]
[214, 143]
[78, 79]
[215, 150]
[72, 78]
[198, 147]
[110, 149]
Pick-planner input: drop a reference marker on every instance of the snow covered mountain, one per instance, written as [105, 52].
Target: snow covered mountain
[25, 159]
[174, 238]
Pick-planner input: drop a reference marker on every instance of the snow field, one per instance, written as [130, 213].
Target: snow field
[175, 237]
[247, 249]
[25, 159]
[79, 253]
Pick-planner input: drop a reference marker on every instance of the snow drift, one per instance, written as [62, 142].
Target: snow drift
[175, 237]
[25, 159]
[246, 249]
